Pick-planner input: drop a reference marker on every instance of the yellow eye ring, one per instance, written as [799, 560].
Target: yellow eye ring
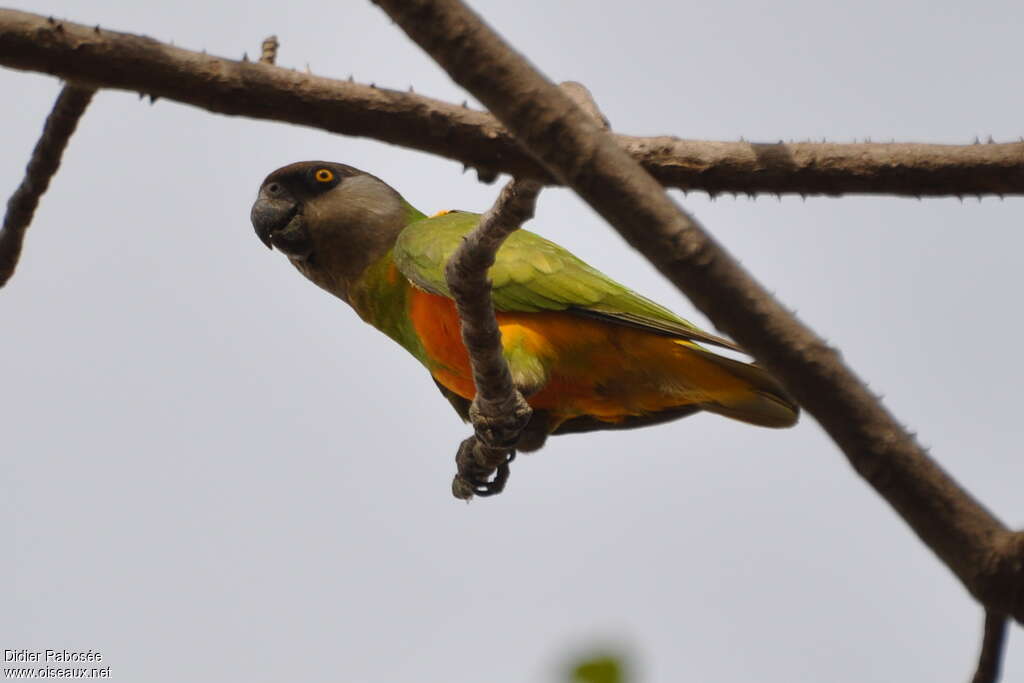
[324, 175]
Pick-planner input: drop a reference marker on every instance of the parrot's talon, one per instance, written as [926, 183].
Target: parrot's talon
[482, 471]
[496, 485]
[501, 431]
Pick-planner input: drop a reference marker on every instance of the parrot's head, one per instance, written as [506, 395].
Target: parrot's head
[331, 220]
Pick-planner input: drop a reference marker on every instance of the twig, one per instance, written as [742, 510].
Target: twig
[85, 54]
[269, 50]
[987, 558]
[499, 412]
[991, 658]
[584, 99]
[43, 164]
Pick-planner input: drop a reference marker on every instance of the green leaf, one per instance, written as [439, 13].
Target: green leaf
[602, 669]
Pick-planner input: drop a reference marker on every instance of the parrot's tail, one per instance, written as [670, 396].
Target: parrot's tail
[765, 403]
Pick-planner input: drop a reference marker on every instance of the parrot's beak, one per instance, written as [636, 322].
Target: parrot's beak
[269, 215]
[278, 223]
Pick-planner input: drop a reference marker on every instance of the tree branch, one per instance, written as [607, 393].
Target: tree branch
[991, 658]
[967, 538]
[499, 412]
[123, 61]
[42, 166]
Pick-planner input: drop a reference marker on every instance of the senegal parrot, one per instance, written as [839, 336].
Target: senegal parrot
[585, 351]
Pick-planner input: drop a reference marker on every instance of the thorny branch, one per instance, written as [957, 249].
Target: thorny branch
[103, 58]
[45, 161]
[984, 555]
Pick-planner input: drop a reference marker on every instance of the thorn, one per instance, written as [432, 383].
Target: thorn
[711, 195]
[803, 196]
[778, 197]
[917, 197]
[486, 175]
[153, 99]
[268, 50]
[1001, 196]
[961, 198]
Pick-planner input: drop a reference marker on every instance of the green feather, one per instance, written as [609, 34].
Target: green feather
[532, 274]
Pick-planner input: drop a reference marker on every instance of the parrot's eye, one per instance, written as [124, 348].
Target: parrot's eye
[323, 175]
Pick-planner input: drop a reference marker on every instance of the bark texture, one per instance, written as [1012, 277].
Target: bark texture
[45, 160]
[100, 58]
[499, 412]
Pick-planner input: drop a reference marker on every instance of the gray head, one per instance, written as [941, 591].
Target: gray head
[331, 220]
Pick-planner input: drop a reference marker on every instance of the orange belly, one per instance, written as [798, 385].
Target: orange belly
[595, 368]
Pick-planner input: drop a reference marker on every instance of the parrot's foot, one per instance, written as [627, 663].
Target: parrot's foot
[499, 427]
[483, 458]
[483, 471]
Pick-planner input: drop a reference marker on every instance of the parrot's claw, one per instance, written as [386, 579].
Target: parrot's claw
[479, 474]
[501, 431]
[484, 457]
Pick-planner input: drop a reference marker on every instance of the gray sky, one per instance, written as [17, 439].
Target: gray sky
[213, 471]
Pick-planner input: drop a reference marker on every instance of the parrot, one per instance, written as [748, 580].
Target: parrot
[586, 352]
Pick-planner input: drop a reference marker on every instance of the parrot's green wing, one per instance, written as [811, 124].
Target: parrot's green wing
[531, 274]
